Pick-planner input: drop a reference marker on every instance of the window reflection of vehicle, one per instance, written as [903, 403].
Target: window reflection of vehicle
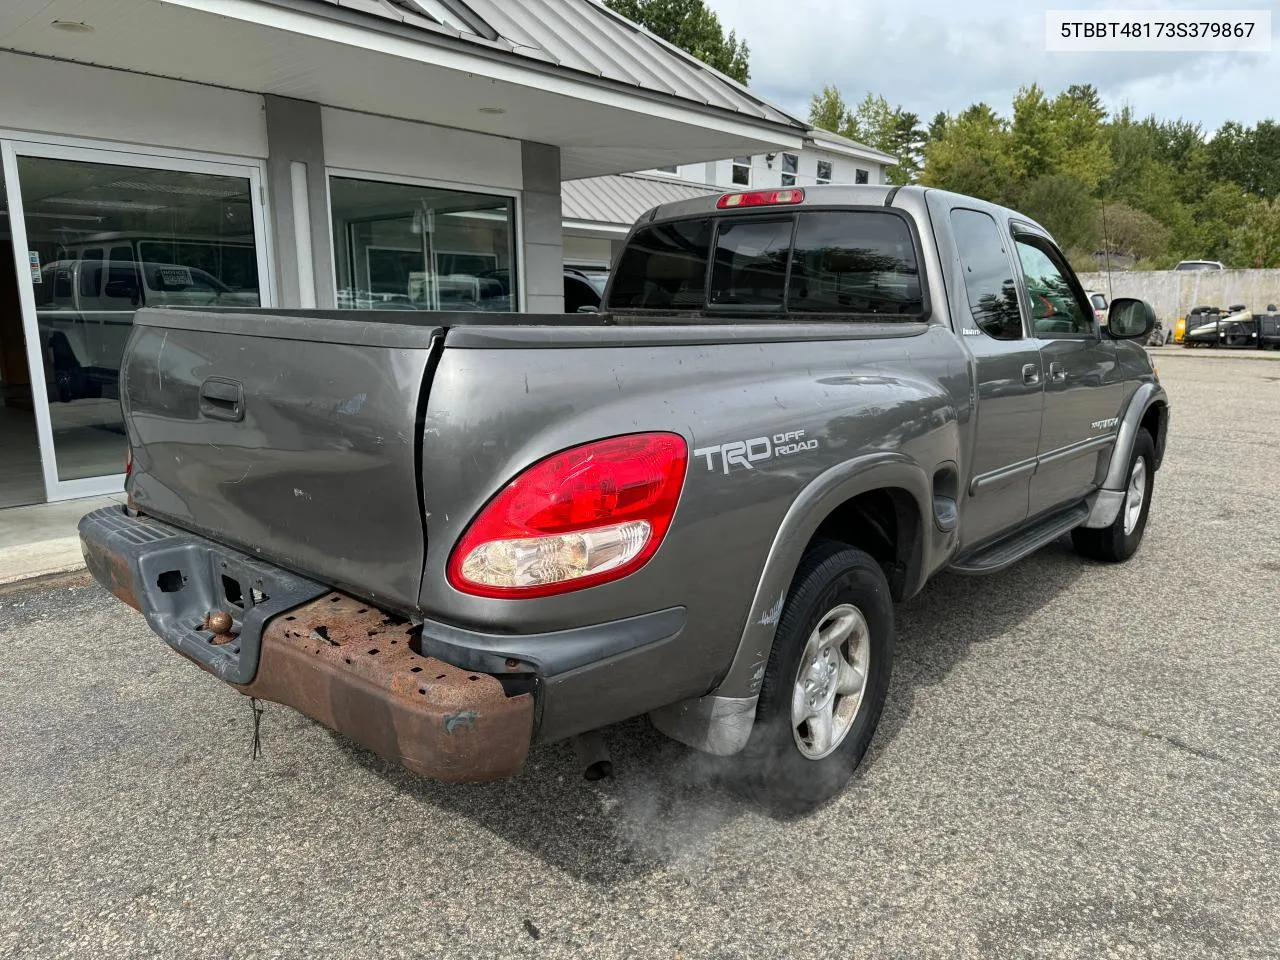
[84, 309]
[583, 288]
[232, 261]
[1099, 303]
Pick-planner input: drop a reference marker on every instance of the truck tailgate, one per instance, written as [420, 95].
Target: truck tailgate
[293, 438]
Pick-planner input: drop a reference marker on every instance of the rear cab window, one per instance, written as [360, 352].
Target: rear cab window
[817, 264]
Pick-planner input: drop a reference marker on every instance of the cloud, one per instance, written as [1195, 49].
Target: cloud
[931, 55]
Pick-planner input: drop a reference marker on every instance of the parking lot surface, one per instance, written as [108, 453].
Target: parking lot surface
[1076, 760]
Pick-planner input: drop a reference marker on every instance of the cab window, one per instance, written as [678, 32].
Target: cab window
[988, 276]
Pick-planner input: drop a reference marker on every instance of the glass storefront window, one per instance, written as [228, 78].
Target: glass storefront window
[104, 240]
[404, 247]
[21, 472]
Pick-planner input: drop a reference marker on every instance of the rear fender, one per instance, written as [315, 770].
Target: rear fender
[721, 721]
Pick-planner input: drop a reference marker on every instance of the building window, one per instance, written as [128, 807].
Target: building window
[671, 168]
[742, 171]
[824, 171]
[790, 164]
[861, 176]
[403, 247]
[105, 239]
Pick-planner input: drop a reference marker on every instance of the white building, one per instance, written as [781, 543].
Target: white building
[823, 158]
[302, 153]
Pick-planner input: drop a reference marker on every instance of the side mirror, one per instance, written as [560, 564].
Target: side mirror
[1130, 319]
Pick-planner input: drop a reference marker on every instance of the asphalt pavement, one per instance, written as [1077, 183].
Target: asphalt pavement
[1076, 761]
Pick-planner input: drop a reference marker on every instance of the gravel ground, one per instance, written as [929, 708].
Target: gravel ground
[1076, 761]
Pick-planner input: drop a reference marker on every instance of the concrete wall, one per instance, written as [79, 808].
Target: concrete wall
[1173, 292]
[299, 207]
[542, 228]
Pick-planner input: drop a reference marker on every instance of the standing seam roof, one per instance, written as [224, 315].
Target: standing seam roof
[622, 198]
[581, 36]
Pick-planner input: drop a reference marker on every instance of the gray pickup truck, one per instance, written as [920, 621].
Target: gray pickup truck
[452, 535]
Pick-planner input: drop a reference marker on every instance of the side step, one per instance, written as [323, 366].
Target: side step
[1022, 542]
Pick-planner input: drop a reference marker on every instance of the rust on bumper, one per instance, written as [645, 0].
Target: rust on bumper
[111, 570]
[351, 667]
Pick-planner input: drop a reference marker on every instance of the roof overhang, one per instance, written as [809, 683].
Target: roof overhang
[589, 228]
[298, 48]
[833, 143]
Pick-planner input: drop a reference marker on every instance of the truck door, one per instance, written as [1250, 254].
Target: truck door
[1083, 389]
[1008, 378]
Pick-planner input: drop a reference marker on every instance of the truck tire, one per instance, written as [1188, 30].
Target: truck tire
[1119, 542]
[825, 682]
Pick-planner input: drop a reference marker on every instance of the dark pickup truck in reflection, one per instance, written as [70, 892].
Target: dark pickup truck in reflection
[453, 535]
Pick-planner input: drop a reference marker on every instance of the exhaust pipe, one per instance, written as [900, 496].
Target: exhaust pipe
[593, 755]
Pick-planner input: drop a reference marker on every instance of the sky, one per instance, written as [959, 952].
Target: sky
[931, 55]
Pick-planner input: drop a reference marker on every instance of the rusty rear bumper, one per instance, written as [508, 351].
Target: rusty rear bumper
[346, 664]
[329, 656]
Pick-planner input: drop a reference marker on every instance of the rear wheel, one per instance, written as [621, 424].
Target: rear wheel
[1120, 541]
[825, 683]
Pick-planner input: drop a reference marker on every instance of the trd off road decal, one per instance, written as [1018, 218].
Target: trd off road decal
[745, 453]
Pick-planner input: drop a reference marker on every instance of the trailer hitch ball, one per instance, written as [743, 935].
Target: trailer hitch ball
[218, 621]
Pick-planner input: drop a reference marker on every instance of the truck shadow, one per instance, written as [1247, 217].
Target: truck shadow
[666, 805]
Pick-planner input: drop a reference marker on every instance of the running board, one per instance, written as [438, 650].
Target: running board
[1025, 541]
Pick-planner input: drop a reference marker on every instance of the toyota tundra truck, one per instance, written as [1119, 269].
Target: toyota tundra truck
[451, 536]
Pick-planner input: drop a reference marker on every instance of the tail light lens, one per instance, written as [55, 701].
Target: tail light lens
[581, 517]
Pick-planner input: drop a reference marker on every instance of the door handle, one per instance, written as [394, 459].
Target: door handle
[1031, 373]
[222, 399]
[1056, 372]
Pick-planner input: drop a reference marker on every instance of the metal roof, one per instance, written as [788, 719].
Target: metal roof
[621, 199]
[580, 36]
[825, 138]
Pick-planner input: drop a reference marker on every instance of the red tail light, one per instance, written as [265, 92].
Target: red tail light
[760, 198]
[581, 517]
[128, 464]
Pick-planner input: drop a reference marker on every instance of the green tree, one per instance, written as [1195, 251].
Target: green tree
[975, 156]
[1256, 241]
[1066, 208]
[937, 127]
[1168, 190]
[693, 27]
[1132, 232]
[828, 111]
[1221, 210]
[877, 124]
[1032, 132]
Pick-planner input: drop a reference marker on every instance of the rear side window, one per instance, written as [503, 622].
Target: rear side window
[664, 267]
[988, 279]
[854, 262]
